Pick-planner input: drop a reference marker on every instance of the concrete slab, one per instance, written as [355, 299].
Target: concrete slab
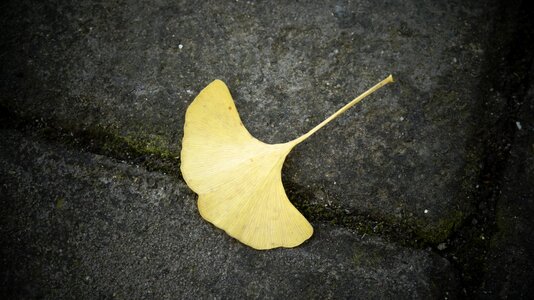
[79, 225]
[126, 71]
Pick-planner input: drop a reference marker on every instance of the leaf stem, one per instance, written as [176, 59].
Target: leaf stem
[387, 80]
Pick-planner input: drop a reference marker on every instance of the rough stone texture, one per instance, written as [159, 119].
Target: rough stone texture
[83, 226]
[509, 267]
[129, 69]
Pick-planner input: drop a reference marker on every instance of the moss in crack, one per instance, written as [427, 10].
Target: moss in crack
[149, 150]
[438, 232]
[408, 231]
[365, 224]
[152, 144]
[303, 200]
[367, 259]
[507, 68]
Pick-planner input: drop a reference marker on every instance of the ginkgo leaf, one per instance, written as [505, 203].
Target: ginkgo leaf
[237, 177]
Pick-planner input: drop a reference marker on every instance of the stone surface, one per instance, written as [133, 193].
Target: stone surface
[83, 226]
[129, 69]
[510, 263]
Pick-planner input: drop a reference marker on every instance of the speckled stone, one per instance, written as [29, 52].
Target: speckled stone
[82, 226]
[129, 69]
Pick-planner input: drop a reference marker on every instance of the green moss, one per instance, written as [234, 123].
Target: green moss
[438, 232]
[407, 231]
[152, 151]
[60, 202]
[367, 259]
[150, 144]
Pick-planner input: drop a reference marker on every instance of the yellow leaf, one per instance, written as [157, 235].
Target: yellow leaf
[237, 177]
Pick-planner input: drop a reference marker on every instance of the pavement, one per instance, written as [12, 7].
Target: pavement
[86, 226]
[400, 189]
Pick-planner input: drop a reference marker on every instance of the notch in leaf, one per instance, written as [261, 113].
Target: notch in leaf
[237, 177]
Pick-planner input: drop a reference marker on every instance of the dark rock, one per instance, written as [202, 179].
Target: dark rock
[79, 225]
[510, 260]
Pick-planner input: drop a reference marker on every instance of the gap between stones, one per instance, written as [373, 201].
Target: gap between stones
[507, 68]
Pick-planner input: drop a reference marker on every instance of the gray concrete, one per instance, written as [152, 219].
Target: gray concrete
[83, 226]
[129, 69]
[424, 190]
